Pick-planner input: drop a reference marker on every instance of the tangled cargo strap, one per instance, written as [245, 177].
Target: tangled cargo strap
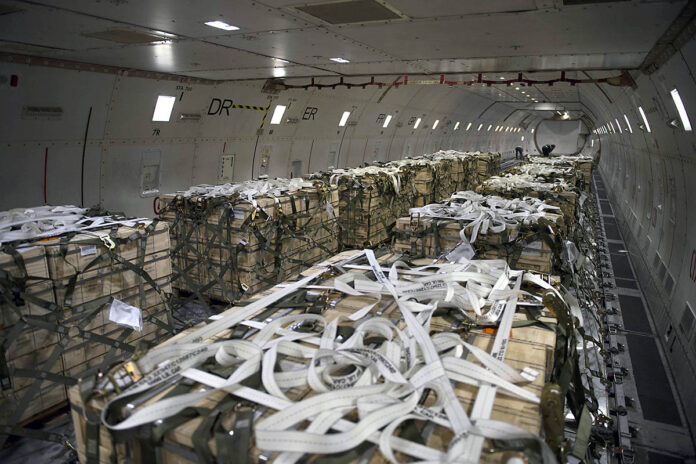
[525, 232]
[393, 357]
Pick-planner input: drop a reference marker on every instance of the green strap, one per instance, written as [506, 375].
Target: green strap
[582, 438]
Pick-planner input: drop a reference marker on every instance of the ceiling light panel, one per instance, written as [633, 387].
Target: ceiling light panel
[222, 25]
[350, 12]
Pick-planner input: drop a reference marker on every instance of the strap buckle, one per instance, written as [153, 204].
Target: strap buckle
[132, 371]
[108, 243]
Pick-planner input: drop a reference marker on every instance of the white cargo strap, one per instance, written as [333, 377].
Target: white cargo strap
[23, 224]
[384, 386]
[509, 182]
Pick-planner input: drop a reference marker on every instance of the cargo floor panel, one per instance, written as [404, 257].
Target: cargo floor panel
[612, 231]
[654, 391]
[606, 208]
[622, 266]
[662, 436]
[635, 318]
[618, 248]
[659, 458]
[626, 283]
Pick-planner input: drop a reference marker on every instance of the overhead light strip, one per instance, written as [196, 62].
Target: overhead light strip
[645, 119]
[686, 124]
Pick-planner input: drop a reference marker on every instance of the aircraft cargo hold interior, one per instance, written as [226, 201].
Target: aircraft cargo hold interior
[347, 231]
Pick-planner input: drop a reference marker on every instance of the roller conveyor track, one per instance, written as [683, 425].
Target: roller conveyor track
[650, 421]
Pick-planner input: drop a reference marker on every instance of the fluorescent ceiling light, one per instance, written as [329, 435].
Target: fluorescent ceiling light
[630, 129]
[489, 126]
[222, 25]
[456, 126]
[163, 108]
[415, 126]
[480, 126]
[618, 125]
[278, 114]
[612, 127]
[681, 109]
[164, 34]
[522, 139]
[279, 72]
[468, 126]
[386, 121]
[338, 59]
[437, 121]
[344, 119]
[532, 131]
[645, 119]
[281, 60]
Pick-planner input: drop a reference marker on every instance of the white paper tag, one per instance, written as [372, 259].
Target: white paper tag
[88, 250]
[125, 314]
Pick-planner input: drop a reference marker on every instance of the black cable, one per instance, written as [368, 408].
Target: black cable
[82, 173]
[253, 159]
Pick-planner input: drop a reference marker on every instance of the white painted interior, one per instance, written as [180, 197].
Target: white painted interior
[650, 176]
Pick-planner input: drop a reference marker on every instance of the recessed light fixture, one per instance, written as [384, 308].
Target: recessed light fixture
[222, 25]
[618, 125]
[630, 129]
[278, 114]
[480, 126]
[344, 119]
[517, 88]
[456, 126]
[338, 59]
[645, 119]
[437, 121]
[468, 126]
[418, 121]
[163, 108]
[502, 78]
[489, 127]
[165, 34]
[681, 109]
[532, 131]
[387, 121]
[522, 139]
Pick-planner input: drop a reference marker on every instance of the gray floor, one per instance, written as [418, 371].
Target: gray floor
[654, 412]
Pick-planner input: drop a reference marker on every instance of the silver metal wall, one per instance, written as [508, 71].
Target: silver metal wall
[124, 145]
[650, 179]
